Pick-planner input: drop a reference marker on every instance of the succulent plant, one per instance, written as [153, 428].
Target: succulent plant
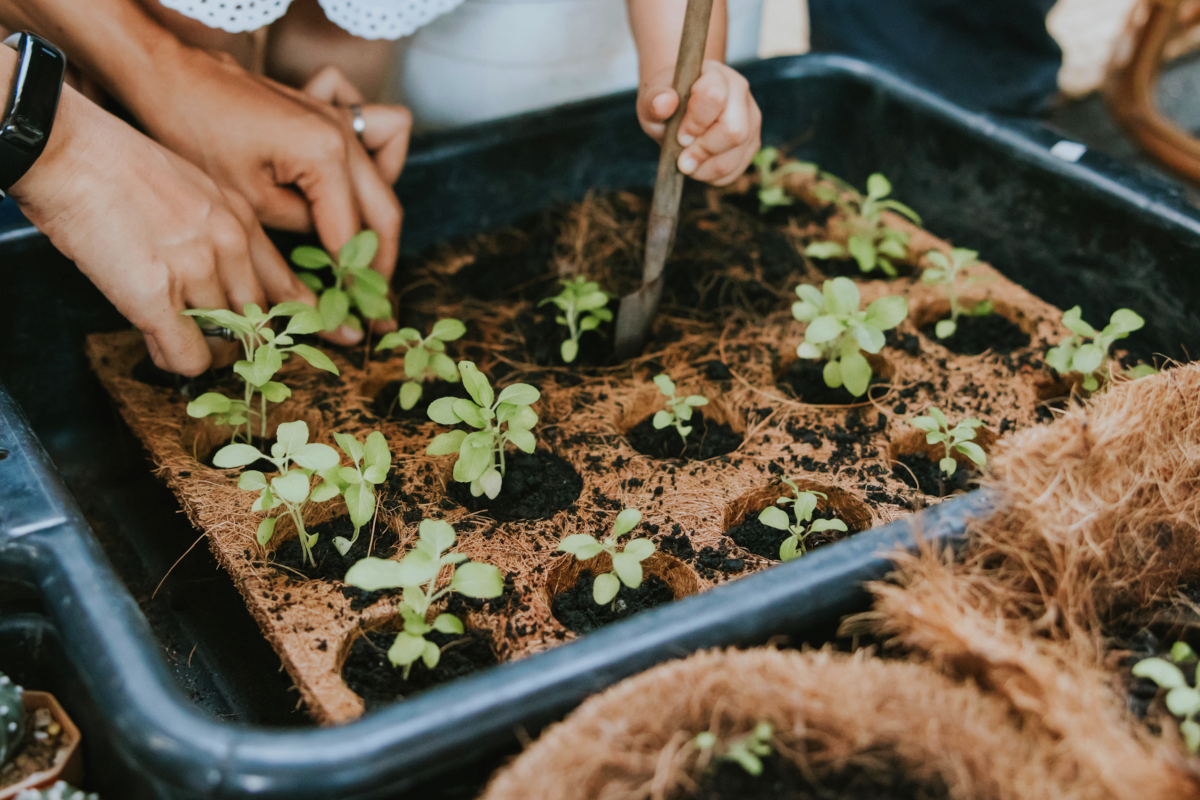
[59, 791]
[12, 717]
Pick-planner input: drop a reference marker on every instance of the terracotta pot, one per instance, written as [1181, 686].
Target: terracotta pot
[68, 765]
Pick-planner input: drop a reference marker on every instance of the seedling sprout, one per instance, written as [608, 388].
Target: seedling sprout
[946, 272]
[417, 574]
[582, 307]
[297, 461]
[1182, 700]
[498, 421]
[425, 357]
[938, 431]
[871, 243]
[838, 330]
[627, 563]
[1077, 354]
[771, 193]
[264, 352]
[678, 410]
[804, 504]
[747, 751]
[355, 283]
[372, 462]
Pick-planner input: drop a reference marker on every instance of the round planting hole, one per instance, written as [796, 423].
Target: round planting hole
[916, 463]
[536, 486]
[369, 673]
[569, 589]
[385, 398]
[742, 525]
[1001, 331]
[804, 380]
[715, 430]
[288, 556]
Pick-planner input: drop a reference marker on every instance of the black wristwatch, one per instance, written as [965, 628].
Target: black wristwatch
[32, 104]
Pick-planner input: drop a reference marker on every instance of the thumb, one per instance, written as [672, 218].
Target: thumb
[655, 107]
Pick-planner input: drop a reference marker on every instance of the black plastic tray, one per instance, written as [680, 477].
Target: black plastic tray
[208, 719]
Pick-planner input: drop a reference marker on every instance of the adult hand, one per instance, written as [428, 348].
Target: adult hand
[294, 157]
[722, 127]
[153, 232]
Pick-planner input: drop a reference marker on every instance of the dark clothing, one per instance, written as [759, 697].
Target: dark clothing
[993, 55]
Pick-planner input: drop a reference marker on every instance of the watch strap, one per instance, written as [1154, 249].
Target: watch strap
[31, 106]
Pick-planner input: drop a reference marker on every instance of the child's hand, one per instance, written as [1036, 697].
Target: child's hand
[721, 130]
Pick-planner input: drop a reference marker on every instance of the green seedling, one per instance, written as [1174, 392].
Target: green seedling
[355, 284]
[425, 357]
[946, 272]
[1183, 700]
[678, 410]
[771, 193]
[264, 352]
[871, 243]
[12, 718]
[583, 305]
[1076, 354]
[747, 751]
[627, 563]
[498, 421]
[417, 574]
[838, 330]
[372, 462]
[297, 460]
[938, 431]
[804, 505]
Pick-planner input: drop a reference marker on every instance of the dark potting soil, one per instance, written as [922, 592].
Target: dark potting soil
[848, 268]
[782, 780]
[151, 374]
[805, 379]
[763, 540]
[1151, 633]
[707, 440]
[929, 478]
[262, 465]
[386, 404]
[536, 486]
[371, 676]
[38, 751]
[577, 611]
[544, 337]
[331, 565]
[799, 212]
[518, 264]
[976, 335]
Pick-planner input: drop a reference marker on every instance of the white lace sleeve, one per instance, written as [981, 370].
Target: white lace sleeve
[370, 19]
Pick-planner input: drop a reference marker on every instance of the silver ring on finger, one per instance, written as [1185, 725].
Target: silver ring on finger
[357, 121]
[217, 332]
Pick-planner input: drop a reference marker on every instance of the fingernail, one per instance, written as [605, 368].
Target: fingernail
[348, 333]
[687, 165]
[686, 139]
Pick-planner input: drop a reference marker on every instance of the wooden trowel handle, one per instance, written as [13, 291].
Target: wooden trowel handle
[668, 187]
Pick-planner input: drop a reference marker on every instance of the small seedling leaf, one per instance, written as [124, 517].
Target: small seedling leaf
[481, 581]
[376, 452]
[520, 394]
[252, 481]
[641, 549]
[948, 466]
[1182, 653]
[442, 412]
[626, 521]
[887, 312]
[809, 350]
[774, 517]
[569, 350]
[665, 385]
[334, 305]
[326, 490]
[973, 452]
[275, 392]
[316, 456]
[581, 546]
[446, 444]
[208, 403]
[406, 649]
[1161, 671]
[292, 486]
[945, 328]
[823, 250]
[311, 258]
[314, 357]
[266, 529]
[360, 503]
[232, 456]
[491, 482]
[628, 569]
[823, 329]
[524, 440]
[1183, 701]
[448, 623]
[1190, 729]
[662, 419]
[415, 362]
[358, 252]
[856, 373]
[605, 588]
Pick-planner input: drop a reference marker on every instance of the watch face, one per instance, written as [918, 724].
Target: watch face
[34, 98]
